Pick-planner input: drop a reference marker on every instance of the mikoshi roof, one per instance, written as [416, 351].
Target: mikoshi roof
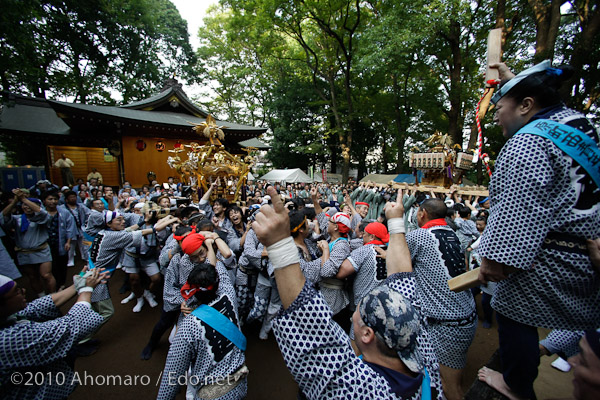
[295, 175]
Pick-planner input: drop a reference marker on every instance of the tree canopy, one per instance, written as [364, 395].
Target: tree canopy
[354, 83]
[88, 50]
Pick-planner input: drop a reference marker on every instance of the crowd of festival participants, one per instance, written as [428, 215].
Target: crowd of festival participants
[351, 279]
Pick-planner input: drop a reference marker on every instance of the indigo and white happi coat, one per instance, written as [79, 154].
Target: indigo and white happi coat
[37, 343]
[106, 252]
[318, 352]
[537, 190]
[370, 271]
[450, 318]
[206, 351]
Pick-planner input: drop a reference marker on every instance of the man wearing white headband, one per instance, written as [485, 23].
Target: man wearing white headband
[545, 203]
[106, 252]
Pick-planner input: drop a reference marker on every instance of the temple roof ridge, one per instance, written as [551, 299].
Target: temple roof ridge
[171, 96]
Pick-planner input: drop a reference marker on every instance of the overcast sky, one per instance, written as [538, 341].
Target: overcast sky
[193, 12]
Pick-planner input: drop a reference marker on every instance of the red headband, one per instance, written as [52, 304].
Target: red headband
[380, 232]
[182, 236]
[188, 290]
[361, 203]
[342, 229]
[192, 242]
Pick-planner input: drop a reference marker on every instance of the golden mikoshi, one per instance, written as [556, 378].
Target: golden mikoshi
[210, 162]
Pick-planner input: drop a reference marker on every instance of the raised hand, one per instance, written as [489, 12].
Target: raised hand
[503, 71]
[272, 223]
[314, 192]
[394, 210]
[97, 276]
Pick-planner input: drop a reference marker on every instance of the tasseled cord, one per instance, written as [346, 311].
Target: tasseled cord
[481, 155]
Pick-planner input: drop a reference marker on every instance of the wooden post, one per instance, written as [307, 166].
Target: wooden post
[494, 50]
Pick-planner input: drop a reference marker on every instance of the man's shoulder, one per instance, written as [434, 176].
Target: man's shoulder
[419, 234]
[362, 251]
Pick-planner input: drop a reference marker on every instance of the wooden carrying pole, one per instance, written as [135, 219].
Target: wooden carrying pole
[494, 53]
[465, 281]
[474, 191]
[469, 279]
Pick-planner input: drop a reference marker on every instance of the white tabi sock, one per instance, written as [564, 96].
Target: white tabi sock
[139, 305]
[150, 298]
[128, 298]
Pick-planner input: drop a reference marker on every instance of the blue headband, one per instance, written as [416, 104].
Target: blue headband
[504, 89]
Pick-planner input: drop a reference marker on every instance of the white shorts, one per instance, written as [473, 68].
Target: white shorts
[149, 269]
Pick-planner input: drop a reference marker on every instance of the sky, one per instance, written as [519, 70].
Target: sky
[193, 11]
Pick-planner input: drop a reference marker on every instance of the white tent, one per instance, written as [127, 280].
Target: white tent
[287, 175]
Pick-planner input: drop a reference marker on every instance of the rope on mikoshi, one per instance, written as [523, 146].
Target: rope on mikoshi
[480, 154]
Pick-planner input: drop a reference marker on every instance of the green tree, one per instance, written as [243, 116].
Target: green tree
[86, 49]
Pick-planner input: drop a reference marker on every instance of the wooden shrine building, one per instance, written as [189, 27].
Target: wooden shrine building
[121, 142]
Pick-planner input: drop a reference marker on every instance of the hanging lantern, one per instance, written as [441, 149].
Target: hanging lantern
[140, 145]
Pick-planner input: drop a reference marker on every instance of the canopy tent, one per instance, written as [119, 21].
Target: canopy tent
[250, 176]
[331, 178]
[408, 178]
[287, 175]
[254, 142]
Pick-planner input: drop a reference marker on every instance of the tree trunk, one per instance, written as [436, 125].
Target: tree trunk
[401, 142]
[590, 27]
[384, 155]
[547, 22]
[454, 121]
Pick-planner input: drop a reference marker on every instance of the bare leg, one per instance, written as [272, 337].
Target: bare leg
[495, 380]
[136, 285]
[154, 281]
[47, 277]
[451, 380]
[33, 275]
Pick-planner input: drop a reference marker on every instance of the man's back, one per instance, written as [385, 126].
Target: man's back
[437, 257]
